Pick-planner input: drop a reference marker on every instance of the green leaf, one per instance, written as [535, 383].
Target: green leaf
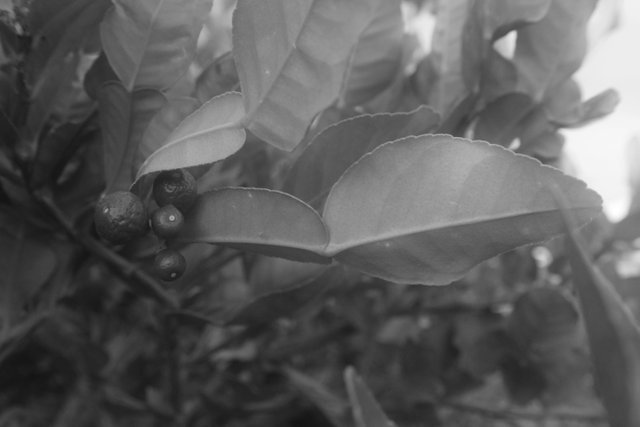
[219, 77]
[209, 134]
[549, 51]
[426, 209]
[123, 119]
[292, 58]
[338, 146]
[500, 122]
[614, 336]
[26, 265]
[287, 302]
[162, 124]
[377, 56]
[151, 43]
[449, 86]
[488, 21]
[333, 407]
[366, 410]
[257, 219]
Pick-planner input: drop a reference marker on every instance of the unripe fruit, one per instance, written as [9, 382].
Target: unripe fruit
[120, 217]
[175, 187]
[169, 265]
[167, 221]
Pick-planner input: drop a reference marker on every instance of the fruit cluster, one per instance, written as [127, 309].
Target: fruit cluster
[121, 216]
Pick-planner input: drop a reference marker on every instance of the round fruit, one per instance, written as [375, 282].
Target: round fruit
[120, 217]
[169, 265]
[175, 187]
[167, 221]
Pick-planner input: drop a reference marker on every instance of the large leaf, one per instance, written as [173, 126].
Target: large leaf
[265, 221]
[124, 117]
[614, 336]
[377, 56]
[549, 51]
[366, 410]
[209, 134]
[340, 145]
[150, 43]
[292, 58]
[426, 209]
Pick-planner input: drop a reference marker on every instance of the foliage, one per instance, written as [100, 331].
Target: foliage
[371, 236]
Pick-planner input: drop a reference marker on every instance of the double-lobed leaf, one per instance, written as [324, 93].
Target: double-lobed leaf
[265, 221]
[211, 133]
[426, 209]
[151, 43]
[292, 58]
[614, 335]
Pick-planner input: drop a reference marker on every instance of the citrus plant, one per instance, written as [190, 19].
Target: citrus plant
[327, 195]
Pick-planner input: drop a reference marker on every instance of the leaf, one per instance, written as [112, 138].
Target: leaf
[219, 77]
[338, 146]
[446, 54]
[426, 209]
[365, 408]
[614, 336]
[257, 219]
[550, 50]
[500, 122]
[27, 264]
[284, 302]
[151, 43]
[209, 134]
[377, 56]
[162, 124]
[123, 118]
[488, 21]
[292, 58]
[333, 407]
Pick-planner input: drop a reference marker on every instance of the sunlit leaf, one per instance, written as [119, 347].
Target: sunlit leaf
[150, 43]
[426, 209]
[377, 56]
[292, 58]
[256, 219]
[209, 134]
[162, 124]
[614, 336]
[366, 410]
[340, 145]
[550, 50]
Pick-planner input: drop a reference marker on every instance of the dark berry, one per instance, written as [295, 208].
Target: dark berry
[167, 221]
[120, 217]
[169, 265]
[175, 187]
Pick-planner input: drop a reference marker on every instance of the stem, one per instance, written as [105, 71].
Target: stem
[133, 275]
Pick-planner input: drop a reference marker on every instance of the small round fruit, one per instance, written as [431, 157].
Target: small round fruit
[175, 187]
[120, 217]
[167, 221]
[169, 265]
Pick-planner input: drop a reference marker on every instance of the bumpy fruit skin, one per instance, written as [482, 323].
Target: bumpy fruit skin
[175, 187]
[120, 217]
[169, 265]
[167, 221]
